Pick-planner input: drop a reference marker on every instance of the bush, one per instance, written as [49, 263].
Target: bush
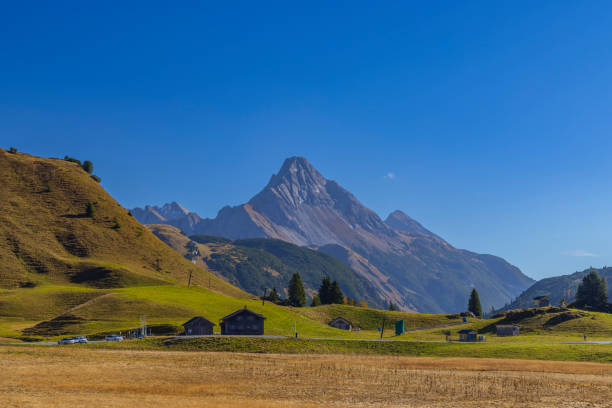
[87, 166]
[13, 150]
[91, 209]
[72, 160]
[98, 179]
[116, 225]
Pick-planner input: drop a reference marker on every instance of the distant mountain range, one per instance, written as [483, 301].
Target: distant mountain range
[557, 288]
[407, 264]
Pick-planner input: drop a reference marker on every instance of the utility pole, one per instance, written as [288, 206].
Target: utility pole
[383, 329]
[189, 282]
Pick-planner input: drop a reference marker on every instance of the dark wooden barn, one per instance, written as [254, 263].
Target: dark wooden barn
[243, 322]
[198, 326]
[341, 323]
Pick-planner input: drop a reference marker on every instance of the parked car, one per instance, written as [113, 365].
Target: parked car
[80, 339]
[67, 340]
[113, 337]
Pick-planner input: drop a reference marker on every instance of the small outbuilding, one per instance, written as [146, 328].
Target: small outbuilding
[541, 301]
[198, 326]
[468, 335]
[504, 330]
[341, 323]
[243, 322]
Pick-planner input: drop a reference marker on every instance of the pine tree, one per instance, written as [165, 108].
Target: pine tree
[392, 307]
[335, 294]
[474, 304]
[273, 296]
[324, 293]
[297, 296]
[592, 292]
[316, 301]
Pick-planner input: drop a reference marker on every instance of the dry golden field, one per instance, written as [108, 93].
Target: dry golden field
[79, 377]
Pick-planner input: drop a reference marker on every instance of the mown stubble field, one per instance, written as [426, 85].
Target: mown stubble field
[80, 377]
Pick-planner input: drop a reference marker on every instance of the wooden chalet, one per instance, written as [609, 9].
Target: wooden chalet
[243, 322]
[198, 326]
[341, 323]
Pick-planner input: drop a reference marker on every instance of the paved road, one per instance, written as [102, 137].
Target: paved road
[50, 343]
[233, 335]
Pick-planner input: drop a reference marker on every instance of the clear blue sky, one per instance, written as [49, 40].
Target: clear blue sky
[493, 117]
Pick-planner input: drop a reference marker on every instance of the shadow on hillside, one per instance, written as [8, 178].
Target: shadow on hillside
[84, 215]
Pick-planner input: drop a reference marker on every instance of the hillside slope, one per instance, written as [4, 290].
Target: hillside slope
[57, 260]
[406, 263]
[557, 288]
[256, 265]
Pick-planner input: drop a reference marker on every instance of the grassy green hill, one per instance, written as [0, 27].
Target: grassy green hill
[48, 238]
[255, 265]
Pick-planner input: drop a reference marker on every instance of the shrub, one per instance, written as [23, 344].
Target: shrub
[98, 179]
[315, 301]
[87, 166]
[72, 160]
[116, 225]
[13, 150]
[91, 209]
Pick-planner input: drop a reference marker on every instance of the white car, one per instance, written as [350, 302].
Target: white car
[80, 339]
[113, 337]
[67, 340]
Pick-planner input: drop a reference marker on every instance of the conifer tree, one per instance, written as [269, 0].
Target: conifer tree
[273, 296]
[474, 304]
[297, 296]
[335, 294]
[592, 292]
[324, 293]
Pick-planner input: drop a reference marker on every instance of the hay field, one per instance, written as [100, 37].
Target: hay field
[80, 377]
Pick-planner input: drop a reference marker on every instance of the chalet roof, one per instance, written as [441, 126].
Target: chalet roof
[507, 325]
[192, 320]
[466, 331]
[341, 318]
[245, 310]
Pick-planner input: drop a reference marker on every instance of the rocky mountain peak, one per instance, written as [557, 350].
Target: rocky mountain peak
[173, 210]
[296, 182]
